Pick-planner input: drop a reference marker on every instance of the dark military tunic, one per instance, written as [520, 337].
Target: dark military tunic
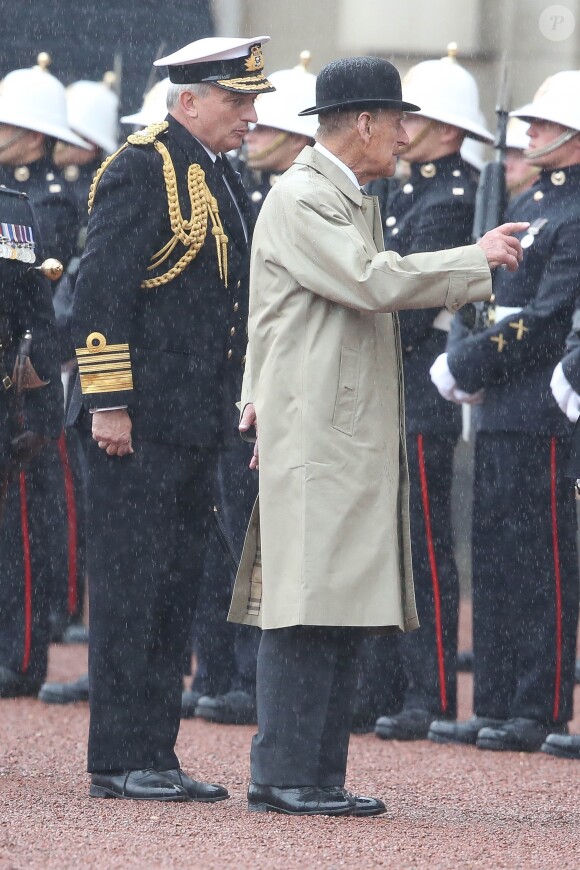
[432, 210]
[25, 304]
[172, 352]
[525, 574]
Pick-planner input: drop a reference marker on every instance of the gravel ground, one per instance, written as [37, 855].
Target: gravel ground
[448, 807]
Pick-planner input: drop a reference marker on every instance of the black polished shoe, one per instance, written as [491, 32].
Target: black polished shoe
[407, 725]
[203, 792]
[466, 732]
[76, 633]
[562, 746]
[361, 806]
[465, 661]
[137, 785]
[518, 735]
[16, 685]
[65, 693]
[305, 800]
[189, 699]
[234, 708]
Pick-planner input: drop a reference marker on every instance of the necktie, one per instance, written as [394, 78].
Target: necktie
[221, 167]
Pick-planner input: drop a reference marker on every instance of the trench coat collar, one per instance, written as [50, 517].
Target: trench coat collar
[319, 162]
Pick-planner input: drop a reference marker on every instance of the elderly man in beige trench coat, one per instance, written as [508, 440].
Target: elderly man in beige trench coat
[324, 382]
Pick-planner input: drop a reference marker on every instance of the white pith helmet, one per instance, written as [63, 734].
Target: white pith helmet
[92, 111]
[556, 100]
[154, 108]
[516, 134]
[446, 92]
[295, 90]
[473, 151]
[35, 100]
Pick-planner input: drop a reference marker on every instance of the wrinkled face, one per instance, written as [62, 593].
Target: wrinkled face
[222, 119]
[270, 149]
[542, 133]
[387, 140]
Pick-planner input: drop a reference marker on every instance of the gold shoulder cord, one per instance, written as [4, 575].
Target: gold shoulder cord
[191, 233]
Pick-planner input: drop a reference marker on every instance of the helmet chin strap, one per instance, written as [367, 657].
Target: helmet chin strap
[265, 152]
[421, 135]
[530, 153]
[13, 139]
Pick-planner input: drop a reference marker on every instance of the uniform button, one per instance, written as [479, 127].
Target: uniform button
[230, 354]
[538, 195]
[236, 306]
[233, 331]
[455, 306]
[239, 284]
[391, 220]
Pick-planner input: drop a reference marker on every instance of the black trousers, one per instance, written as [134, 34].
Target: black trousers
[306, 680]
[225, 652]
[418, 670]
[525, 578]
[148, 518]
[33, 551]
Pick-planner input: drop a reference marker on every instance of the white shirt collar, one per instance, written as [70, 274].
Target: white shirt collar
[347, 171]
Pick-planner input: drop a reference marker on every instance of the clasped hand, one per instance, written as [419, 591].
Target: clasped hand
[112, 431]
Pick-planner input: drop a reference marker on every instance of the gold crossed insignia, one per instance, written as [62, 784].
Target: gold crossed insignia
[500, 341]
[519, 326]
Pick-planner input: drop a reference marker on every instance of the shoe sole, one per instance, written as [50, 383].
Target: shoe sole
[270, 808]
[389, 735]
[497, 746]
[367, 813]
[99, 791]
[221, 720]
[59, 699]
[557, 752]
[451, 741]
[213, 800]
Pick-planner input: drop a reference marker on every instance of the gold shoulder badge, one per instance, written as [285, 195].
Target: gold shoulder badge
[148, 135]
[255, 62]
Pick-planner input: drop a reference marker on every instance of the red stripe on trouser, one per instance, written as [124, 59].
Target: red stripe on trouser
[557, 579]
[434, 574]
[71, 514]
[27, 574]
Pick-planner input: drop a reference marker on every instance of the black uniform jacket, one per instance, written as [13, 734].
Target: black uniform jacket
[185, 338]
[25, 304]
[514, 356]
[432, 211]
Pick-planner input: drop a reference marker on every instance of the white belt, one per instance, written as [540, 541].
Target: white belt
[502, 311]
[443, 320]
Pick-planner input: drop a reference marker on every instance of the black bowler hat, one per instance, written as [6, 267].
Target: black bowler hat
[359, 81]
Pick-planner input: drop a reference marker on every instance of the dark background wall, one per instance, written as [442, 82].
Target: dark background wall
[84, 38]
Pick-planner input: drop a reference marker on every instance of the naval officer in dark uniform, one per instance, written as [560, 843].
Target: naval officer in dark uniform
[525, 569]
[25, 305]
[160, 325]
[433, 210]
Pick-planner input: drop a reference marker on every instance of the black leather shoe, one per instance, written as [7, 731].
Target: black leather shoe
[466, 732]
[562, 745]
[203, 792]
[234, 708]
[138, 785]
[189, 700]
[76, 633]
[15, 685]
[361, 806]
[407, 725]
[305, 800]
[65, 693]
[518, 735]
[465, 661]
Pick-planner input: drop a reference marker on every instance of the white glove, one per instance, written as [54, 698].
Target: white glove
[561, 388]
[573, 407]
[442, 377]
[447, 385]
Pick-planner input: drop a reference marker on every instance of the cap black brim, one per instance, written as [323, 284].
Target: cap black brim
[400, 105]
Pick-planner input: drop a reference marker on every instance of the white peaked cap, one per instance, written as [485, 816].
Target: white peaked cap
[154, 108]
[35, 100]
[556, 100]
[211, 48]
[473, 150]
[446, 92]
[92, 111]
[295, 91]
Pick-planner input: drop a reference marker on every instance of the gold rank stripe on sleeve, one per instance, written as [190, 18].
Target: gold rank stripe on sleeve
[104, 368]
